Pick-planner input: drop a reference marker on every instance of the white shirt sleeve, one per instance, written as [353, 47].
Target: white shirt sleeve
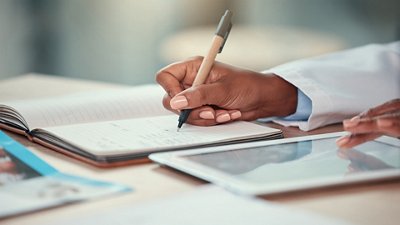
[343, 84]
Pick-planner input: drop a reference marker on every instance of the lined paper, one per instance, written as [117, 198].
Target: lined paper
[151, 133]
[91, 106]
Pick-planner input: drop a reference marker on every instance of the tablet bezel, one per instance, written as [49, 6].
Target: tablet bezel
[174, 160]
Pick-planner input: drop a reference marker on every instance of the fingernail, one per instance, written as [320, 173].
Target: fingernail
[178, 102]
[351, 122]
[207, 115]
[223, 118]
[384, 123]
[342, 141]
[235, 115]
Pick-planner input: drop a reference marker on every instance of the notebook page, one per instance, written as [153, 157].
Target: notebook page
[91, 106]
[151, 133]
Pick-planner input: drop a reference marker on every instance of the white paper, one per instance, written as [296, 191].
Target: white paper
[148, 134]
[91, 106]
[49, 191]
[204, 206]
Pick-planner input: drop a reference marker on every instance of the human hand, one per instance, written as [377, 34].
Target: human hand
[381, 120]
[228, 94]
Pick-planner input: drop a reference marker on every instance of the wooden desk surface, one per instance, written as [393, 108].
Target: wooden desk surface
[377, 203]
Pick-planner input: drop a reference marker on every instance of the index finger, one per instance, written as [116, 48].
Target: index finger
[175, 77]
[386, 107]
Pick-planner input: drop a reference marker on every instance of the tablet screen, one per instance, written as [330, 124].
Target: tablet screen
[303, 160]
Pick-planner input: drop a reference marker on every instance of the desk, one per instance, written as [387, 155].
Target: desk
[363, 204]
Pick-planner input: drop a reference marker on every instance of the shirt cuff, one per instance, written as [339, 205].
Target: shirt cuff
[303, 110]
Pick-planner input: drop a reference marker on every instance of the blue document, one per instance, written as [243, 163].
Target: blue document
[27, 183]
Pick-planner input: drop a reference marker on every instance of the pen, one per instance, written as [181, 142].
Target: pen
[218, 42]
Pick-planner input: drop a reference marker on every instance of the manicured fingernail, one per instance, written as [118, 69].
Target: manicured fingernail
[342, 141]
[223, 118]
[384, 123]
[235, 115]
[207, 115]
[178, 102]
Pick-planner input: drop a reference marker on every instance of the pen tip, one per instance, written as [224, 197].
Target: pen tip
[177, 129]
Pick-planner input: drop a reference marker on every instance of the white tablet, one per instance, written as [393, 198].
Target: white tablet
[267, 167]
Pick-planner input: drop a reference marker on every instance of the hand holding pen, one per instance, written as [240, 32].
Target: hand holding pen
[223, 29]
[226, 94]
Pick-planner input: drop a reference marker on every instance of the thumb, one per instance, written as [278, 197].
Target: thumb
[205, 94]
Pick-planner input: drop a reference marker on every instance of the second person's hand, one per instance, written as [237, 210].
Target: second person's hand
[228, 94]
[380, 120]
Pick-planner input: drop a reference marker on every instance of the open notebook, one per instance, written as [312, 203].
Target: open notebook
[111, 127]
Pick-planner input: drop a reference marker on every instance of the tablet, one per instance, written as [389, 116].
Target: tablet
[276, 166]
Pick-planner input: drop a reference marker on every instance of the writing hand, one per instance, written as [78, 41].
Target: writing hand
[381, 120]
[228, 94]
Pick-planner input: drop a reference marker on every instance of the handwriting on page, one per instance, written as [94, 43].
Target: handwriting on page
[146, 133]
[124, 135]
[149, 134]
[92, 106]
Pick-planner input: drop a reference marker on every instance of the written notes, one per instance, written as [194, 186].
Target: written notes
[135, 134]
[150, 134]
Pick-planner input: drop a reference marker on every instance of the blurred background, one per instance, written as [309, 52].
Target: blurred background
[128, 41]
